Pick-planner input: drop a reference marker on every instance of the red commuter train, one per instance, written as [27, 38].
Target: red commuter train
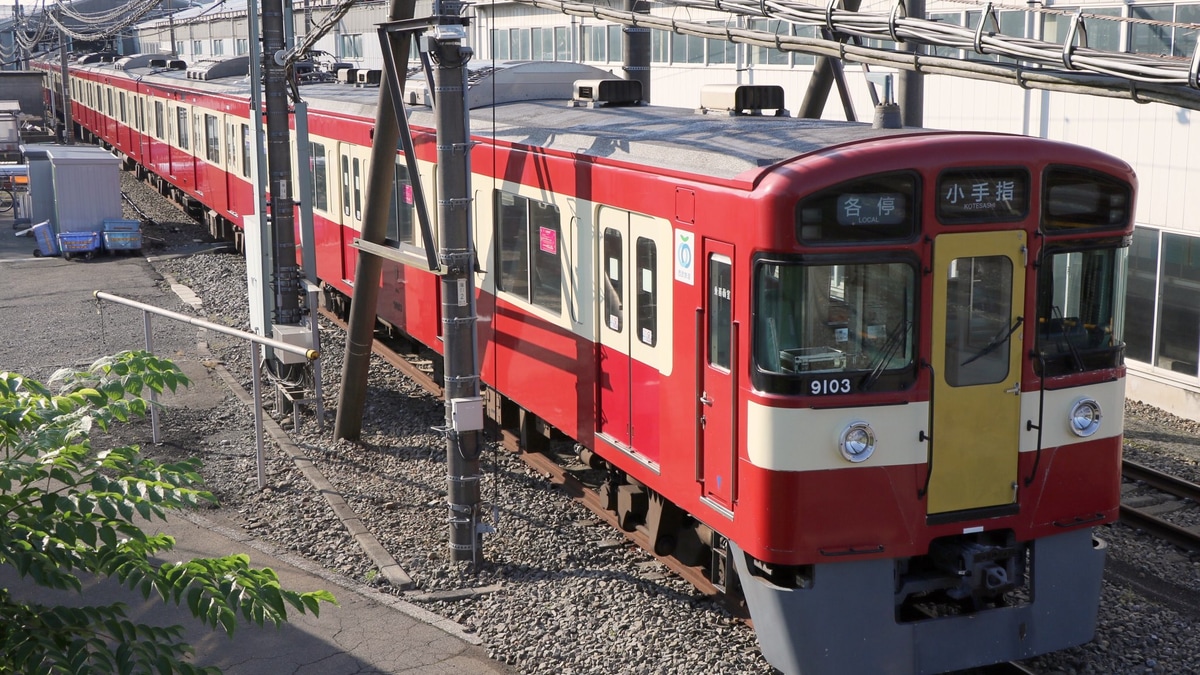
[872, 377]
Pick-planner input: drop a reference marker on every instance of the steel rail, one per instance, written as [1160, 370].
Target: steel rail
[1161, 481]
[1179, 536]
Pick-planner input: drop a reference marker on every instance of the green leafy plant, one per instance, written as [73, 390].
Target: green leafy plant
[67, 509]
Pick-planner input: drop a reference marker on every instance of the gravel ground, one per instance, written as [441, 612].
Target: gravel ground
[559, 594]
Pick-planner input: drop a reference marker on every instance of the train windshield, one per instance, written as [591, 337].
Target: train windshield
[1081, 310]
[840, 328]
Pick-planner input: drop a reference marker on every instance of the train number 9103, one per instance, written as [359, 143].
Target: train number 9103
[830, 386]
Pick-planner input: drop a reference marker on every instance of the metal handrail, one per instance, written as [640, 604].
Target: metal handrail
[255, 341]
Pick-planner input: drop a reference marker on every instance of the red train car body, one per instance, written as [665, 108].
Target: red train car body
[875, 374]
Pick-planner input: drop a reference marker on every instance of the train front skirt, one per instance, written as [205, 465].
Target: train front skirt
[845, 622]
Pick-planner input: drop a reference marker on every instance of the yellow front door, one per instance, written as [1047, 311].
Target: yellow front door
[979, 292]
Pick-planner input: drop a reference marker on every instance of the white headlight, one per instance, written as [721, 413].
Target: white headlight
[1085, 417]
[857, 441]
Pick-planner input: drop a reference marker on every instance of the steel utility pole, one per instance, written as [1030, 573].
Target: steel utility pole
[911, 92]
[464, 407]
[68, 123]
[279, 166]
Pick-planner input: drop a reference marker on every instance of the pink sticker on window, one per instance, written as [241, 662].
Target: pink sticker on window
[408, 196]
[548, 240]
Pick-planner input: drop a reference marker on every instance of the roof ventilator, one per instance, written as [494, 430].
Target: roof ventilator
[741, 99]
[215, 69]
[611, 92]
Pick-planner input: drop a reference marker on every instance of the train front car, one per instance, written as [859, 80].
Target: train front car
[934, 421]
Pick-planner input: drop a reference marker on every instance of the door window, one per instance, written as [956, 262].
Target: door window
[720, 310]
[978, 320]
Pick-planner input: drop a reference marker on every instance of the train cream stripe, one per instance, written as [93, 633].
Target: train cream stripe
[1056, 428]
[803, 439]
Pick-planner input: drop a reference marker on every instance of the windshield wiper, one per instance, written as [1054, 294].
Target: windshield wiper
[1056, 312]
[886, 352]
[998, 340]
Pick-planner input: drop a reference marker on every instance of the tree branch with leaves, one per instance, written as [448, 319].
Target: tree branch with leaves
[67, 509]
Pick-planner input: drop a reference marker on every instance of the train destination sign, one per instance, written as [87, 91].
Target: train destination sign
[983, 195]
[881, 208]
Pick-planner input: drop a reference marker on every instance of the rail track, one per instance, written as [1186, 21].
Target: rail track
[1144, 519]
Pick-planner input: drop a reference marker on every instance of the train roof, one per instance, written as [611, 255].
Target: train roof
[682, 140]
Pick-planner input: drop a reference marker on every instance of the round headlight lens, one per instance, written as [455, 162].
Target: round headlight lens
[857, 441]
[1085, 417]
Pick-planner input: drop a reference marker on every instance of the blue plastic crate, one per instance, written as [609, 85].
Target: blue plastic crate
[123, 241]
[47, 244]
[73, 243]
[118, 225]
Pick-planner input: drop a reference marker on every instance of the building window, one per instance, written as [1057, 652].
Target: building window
[1101, 34]
[218, 47]
[766, 55]
[595, 44]
[241, 46]
[179, 48]
[350, 46]
[181, 127]
[562, 43]
[519, 47]
[543, 44]
[1179, 315]
[530, 237]
[499, 44]
[320, 179]
[197, 47]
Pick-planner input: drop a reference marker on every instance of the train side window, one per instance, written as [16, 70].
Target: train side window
[544, 243]
[513, 243]
[230, 146]
[121, 108]
[346, 185]
[246, 150]
[530, 238]
[197, 133]
[357, 190]
[403, 210]
[212, 139]
[647, 291]
[181, 119]
[111, 107]
[158, 119]
[319, 178]
[614, 291]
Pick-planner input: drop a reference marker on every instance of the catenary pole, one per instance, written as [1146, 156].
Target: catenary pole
[380, 179]
[68, 122]
[457, 257]
[911, 90]
[279, 166]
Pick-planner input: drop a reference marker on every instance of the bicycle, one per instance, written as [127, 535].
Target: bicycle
[7, 200]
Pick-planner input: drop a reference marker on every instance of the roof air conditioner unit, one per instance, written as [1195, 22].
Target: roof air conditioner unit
[368, 77]
[742, 99]
[608, 92]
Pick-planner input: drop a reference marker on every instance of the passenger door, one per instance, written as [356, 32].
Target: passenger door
[979, 293]
[717, 346]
